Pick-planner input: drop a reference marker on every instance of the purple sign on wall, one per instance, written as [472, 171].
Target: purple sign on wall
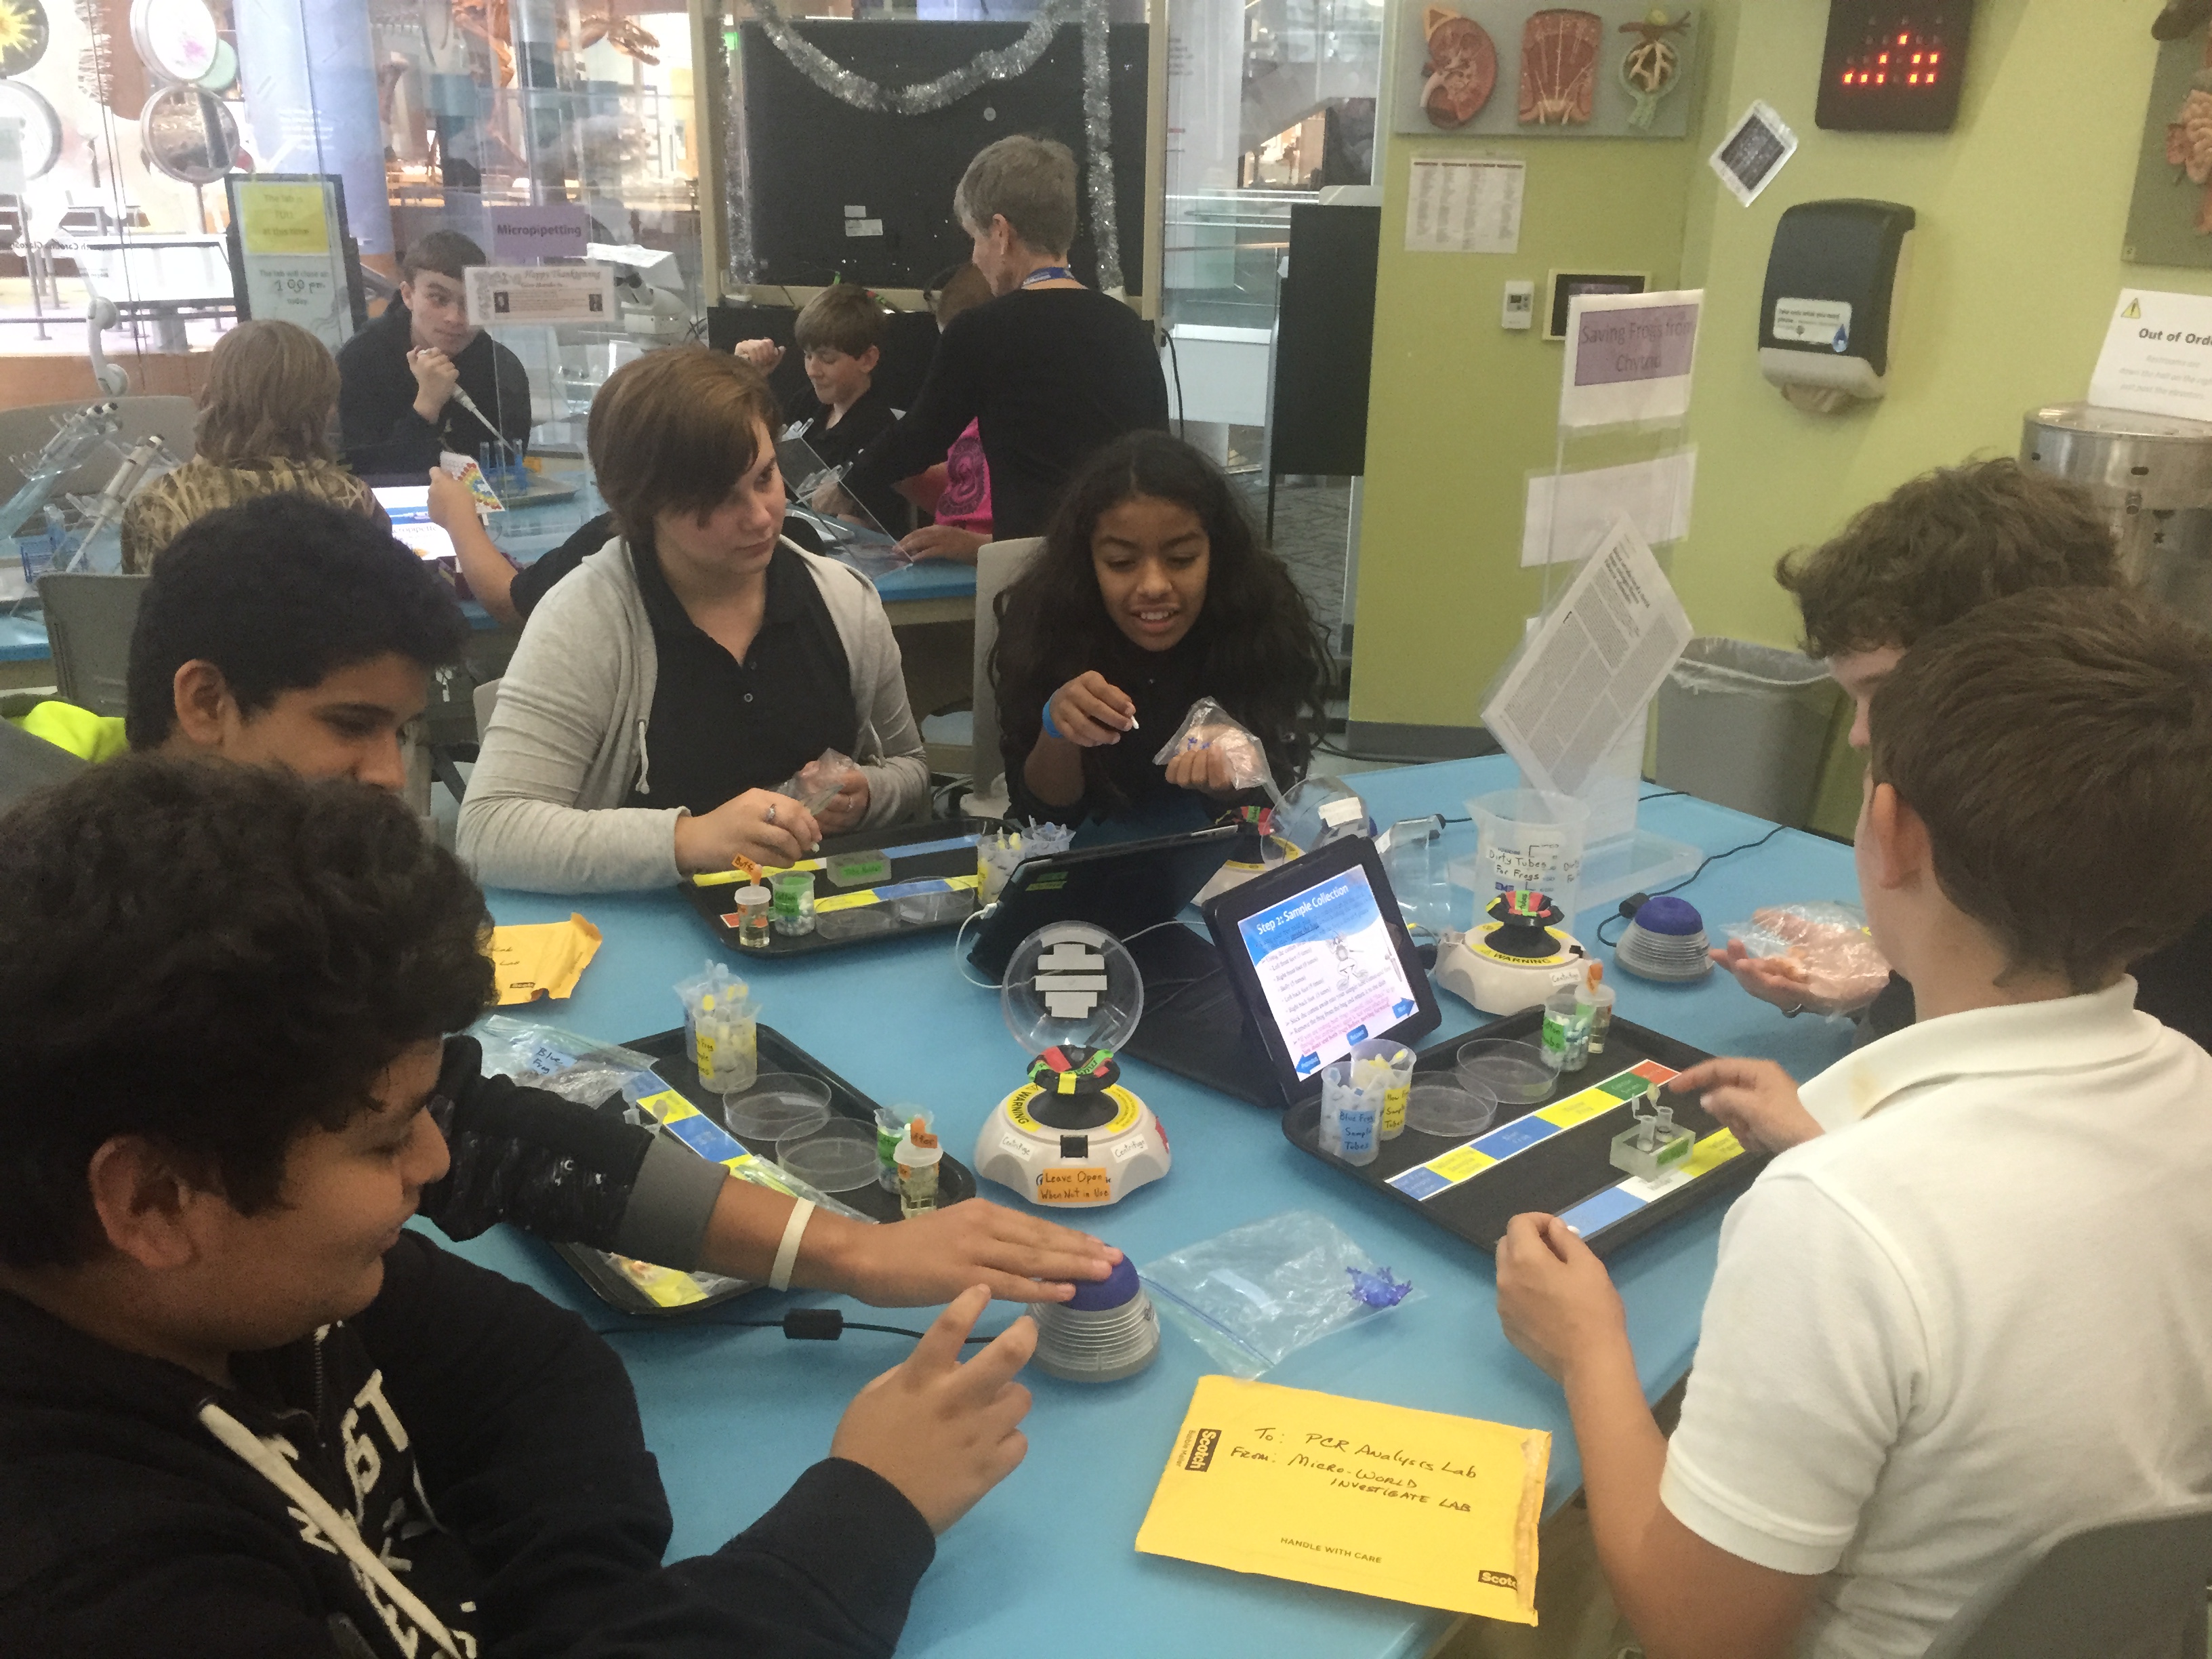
[522, 233]
[1652, 343]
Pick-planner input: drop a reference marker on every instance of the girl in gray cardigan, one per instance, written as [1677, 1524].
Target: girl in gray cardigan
[567, 742]
[564, 797]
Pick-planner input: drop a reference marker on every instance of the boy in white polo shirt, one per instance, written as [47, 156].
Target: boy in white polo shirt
[1978, 1309]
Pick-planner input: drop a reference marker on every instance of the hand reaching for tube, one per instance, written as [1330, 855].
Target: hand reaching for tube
[1755, 1098]
[1091, 711]
[772, 830]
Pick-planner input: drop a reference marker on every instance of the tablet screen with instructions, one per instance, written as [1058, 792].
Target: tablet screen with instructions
[1328, 969]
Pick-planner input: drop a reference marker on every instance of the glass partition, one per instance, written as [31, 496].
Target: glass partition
[121, 121]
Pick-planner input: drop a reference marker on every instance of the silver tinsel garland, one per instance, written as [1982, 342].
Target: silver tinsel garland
[1001, 64]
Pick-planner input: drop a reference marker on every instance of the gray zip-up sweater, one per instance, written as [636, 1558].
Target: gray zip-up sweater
[545, 807]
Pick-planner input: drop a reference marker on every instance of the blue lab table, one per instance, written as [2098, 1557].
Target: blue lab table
[1047, 1563]
[23, 639]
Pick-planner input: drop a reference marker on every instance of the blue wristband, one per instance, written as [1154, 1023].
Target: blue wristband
[1050, 730]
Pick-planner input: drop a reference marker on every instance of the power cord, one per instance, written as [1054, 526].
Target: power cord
[1636, 902]
[798, 1325]
[1174, 364]
[960, 961]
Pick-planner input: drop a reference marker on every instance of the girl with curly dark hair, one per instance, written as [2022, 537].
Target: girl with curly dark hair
[1151, 591]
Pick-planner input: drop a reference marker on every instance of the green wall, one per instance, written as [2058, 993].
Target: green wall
[2017, 260]
[1461, 410]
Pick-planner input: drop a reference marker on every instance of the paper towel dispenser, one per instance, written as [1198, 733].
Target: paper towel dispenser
[1828, 318]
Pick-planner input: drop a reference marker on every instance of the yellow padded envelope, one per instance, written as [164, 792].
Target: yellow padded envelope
[1417, 1506]
[542, 959]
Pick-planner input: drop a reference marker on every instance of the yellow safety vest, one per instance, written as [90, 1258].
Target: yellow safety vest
[88, 736]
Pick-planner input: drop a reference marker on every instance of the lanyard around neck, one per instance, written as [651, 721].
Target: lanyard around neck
[1049, 274]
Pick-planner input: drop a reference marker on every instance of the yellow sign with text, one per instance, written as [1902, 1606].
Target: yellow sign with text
[1415, 1506]
[282, 219]
[1075, 1186]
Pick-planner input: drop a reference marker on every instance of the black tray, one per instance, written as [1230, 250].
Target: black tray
[672, 1063]
[1557, 1173]
[713, 903]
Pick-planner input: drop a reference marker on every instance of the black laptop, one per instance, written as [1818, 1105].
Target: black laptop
[1129, 888]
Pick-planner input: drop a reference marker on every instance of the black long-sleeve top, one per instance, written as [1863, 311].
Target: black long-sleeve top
[488, 1444]
[379, 431]
[572, 1174]
[1048, 374]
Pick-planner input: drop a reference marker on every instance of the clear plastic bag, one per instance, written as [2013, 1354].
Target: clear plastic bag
[1255, 1295]
[1826, 947]
[1320, 809]
[815, 784]
[560, 1062]
[1209, 726]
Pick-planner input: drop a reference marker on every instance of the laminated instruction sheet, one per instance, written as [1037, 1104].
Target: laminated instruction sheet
[1415, 1506]
[1592, 667]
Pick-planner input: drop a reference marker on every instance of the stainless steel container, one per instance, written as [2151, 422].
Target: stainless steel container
[2151, 475]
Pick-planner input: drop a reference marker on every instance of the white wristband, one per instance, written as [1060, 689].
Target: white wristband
[786, 1252]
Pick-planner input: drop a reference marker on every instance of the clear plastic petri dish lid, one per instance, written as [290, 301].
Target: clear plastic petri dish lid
[778, 1105]
[861, 921]
[1518, 1073]
[1436, 1106]
[836, 1157]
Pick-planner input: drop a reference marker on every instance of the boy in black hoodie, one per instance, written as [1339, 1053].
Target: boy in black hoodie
[241, 1410]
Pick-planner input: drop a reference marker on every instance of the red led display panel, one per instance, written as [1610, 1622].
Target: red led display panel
[1891, 68]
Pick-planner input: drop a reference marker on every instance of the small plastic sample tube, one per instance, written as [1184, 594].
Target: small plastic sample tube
[1599, 996]
[752, 906]
[890, 1129]
[918, 1156]
[1654, 1145]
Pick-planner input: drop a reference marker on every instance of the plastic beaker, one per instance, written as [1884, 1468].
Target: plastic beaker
[753, 912]
[1396, 1058]
[1529, 839]
[1415, 866]
[792, 911]
[1350, 1116]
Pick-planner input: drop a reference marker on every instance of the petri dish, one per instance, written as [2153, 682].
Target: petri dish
[1454, 1110]
[1518, 1073]
[778, 1105]
[922, 910]
[862, 921]
[834, 1157]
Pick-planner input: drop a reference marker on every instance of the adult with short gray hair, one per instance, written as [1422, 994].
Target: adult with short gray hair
[1049, 370]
